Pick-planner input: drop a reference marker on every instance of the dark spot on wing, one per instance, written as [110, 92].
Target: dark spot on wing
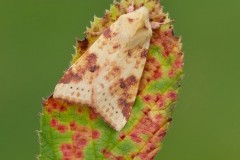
[101, 85]
[125, 107]
[127, 83]
[116, 70]
[131, 80]
[144, 53]
[113, 73]
[129, 52]
[91, 62]
[107, 33]
[130, 20]
[116, 46]
[122, 84]
[115, 33]
[92, 58]
[91, 65]
[93, 68]
[70, 76]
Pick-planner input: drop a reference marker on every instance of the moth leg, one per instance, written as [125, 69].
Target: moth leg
[156, 25]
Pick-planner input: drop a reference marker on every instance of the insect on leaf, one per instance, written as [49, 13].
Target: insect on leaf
[107, 75]
[72, 131]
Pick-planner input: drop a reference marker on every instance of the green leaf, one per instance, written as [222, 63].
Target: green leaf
[76, 132]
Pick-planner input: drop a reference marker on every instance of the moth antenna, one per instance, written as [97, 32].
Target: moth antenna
[156, 25]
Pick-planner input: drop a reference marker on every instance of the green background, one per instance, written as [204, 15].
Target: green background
[36, 39]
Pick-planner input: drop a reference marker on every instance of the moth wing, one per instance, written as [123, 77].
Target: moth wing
[107, 75]
[116, 87]
[76, 84]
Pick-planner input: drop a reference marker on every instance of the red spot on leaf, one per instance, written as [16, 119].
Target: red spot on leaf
[82, 135]
[147, 98]
[148, 125]
[158, 118]
[53, 123]
[146, 111]
[122, 136]
[93, 115]
[178, 64]
[161, 134]
[79, 153]
[151, 60]
[106, 153]
[67, 151]
[80, 110]
[62, 109]
[95, 134]
[143, 156]
[157, 98]
[171, 73]
[157, 74]
[135, 138]
[49, 110]
[73, 126]
[120, 158]
[151, 146]
[161, 101]
[172, 95]
[80, 140]
[133, 155]
[54, 106]
[62, 128]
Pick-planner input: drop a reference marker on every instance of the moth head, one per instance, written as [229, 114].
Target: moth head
[130, 24]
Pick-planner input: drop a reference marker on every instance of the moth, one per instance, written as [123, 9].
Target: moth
[106, 77]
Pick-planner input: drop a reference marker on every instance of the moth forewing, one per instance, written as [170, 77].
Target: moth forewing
[107, 75]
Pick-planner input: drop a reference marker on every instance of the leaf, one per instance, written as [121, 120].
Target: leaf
[76, 132]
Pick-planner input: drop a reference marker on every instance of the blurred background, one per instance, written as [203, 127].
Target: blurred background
[36, 43]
